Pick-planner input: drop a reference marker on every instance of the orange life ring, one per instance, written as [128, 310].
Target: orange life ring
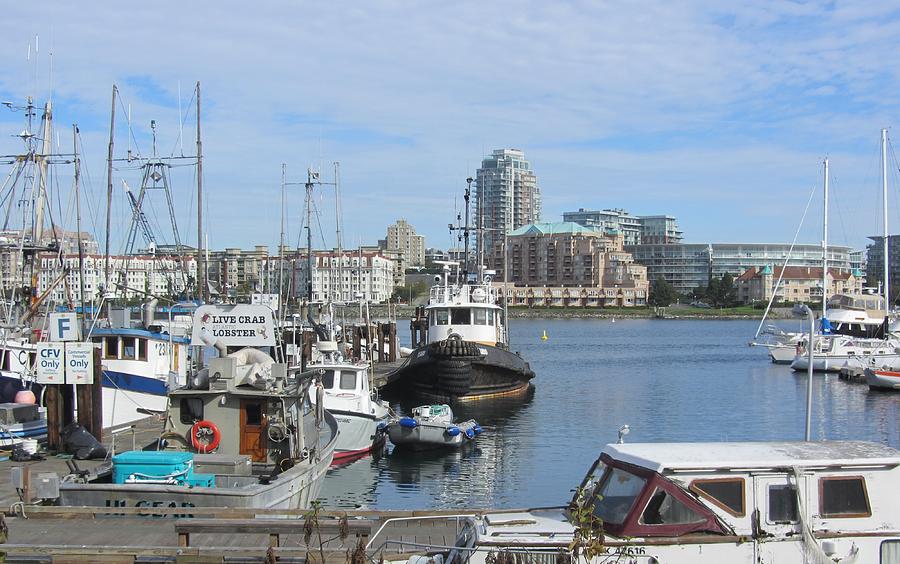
[201, 428]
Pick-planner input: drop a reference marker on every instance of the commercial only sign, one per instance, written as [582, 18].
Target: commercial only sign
[65, 363]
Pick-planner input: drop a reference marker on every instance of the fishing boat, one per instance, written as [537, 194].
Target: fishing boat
[831, 501]
[466, 352]
[242, 433]
[431, 426]
[344, 389]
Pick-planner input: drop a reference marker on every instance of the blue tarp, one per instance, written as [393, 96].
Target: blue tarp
[826, 326]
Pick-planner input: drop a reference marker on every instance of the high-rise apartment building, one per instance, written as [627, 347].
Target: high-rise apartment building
[402, 237]
[507, 197]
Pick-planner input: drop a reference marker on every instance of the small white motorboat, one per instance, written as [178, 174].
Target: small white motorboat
[431, 426]
[883, 379]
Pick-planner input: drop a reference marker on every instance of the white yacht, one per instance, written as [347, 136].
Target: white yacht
[834, 352]
[696, 503]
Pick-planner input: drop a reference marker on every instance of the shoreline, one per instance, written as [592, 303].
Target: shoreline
[404, 313]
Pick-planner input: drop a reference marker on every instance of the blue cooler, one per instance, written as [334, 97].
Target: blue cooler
[153, 466]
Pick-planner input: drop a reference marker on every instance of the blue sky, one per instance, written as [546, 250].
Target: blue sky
[716, 113]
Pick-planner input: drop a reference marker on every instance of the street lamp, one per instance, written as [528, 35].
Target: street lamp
[800, 310]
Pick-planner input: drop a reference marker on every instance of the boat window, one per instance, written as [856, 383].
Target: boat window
[664, 509]
[613, 499]
[782, 504]
[254, 413]
[142, 348]
[442, 317]
[191, 410]
[328, 379]
[890, 552]
[490, 317]
[843, 497]
[128, 347]
[480, 316]
[111, 347]
[348, 379]
[726, 493]
[460, 316]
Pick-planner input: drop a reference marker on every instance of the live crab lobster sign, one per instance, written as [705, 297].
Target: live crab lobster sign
[241, 325]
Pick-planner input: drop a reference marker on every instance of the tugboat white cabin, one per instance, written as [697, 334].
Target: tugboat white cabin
[751, 502]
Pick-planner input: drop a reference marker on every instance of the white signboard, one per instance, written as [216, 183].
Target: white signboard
[64, 327]
[50, 367]
[270, 300]
[79, 363]
[240, 325]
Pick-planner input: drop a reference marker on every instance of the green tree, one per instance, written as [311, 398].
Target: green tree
[662, 293]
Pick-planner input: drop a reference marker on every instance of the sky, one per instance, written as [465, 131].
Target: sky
[717, 113]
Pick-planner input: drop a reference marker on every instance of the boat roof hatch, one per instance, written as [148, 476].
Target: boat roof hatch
[675, 457]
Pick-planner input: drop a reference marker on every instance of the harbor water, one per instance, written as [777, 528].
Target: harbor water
[669, 380]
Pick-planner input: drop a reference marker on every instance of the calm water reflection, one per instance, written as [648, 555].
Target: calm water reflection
[670, 380]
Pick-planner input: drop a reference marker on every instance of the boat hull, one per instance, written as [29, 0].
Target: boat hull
[455, 371]
[883, 379]
[358, 435]
[424, 436]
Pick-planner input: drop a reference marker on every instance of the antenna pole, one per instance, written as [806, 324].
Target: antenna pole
[109, 186]
[201, 277]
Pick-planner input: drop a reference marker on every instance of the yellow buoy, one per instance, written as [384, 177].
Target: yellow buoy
[544, 337]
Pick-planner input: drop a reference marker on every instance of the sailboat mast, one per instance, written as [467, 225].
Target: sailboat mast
[201, 277]
[466, 231]
[109, 186]
[309, 257]
[825, 248]
[78, 219]
[281, 243]
[884, 203]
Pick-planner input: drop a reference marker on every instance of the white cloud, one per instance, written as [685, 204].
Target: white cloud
[658, 107]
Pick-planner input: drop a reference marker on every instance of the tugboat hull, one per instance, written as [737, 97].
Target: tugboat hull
[459, 371]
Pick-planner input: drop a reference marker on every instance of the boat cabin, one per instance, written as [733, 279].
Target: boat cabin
[345, 386]
[718, 502]
[138, 353]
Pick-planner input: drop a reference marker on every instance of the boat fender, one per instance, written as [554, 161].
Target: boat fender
[408, 422]
[204, 428]
[470, 433]
[477, 428]
[453, 431]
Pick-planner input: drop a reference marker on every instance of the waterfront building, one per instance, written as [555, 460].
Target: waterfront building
[798, 283]
[11, 259]
[636, 230]
[566, 264]
[402, 238]
[507, 196]
[241, 271]
[688, 266]
[858, 262]
[131, 276]
[875, 264]
[349, 276]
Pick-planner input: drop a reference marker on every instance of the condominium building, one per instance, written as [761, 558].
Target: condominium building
[875, 264]
[402, 238]
[131, 276]
[592, 267]
[798, 283]
[688, 266]
[507, 197]
[11, 258]
[350, 276]
[236, 269]
[636, 230]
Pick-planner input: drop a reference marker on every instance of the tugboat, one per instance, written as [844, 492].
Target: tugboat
[464, 354]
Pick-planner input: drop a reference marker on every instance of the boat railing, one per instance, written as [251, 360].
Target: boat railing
[464, 294]
[457, 518]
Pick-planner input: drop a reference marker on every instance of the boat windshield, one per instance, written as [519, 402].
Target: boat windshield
[615, 494]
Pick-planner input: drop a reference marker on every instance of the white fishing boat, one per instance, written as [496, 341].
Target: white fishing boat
[242, 433]
[696, 503]
[344, 389]
[431, 426]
